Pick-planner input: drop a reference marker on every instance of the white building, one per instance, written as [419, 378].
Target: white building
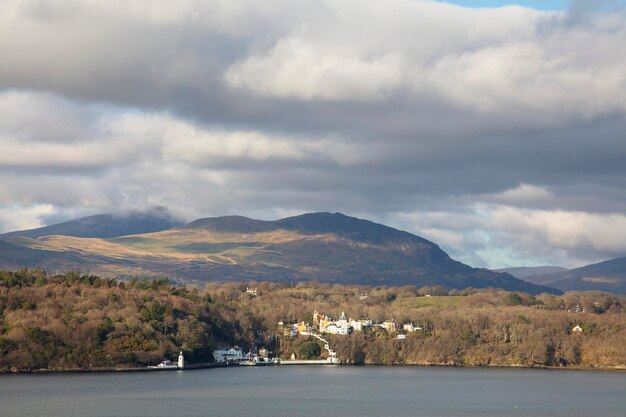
[343, 321]
[357, 325]
[389, 325]
[334, 329]
[233, 354]
[410, 327]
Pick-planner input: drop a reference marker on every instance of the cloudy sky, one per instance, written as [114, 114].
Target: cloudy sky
[496, 130]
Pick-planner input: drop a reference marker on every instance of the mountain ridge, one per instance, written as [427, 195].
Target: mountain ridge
[105, 225]
[527, 273]
[330, 247]
[609, 276]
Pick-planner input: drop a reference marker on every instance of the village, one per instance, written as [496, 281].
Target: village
[322, 324]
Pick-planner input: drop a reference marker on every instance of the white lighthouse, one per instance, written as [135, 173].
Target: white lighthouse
[181, 360]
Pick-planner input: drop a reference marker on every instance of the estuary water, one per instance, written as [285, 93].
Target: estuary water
[307, 391]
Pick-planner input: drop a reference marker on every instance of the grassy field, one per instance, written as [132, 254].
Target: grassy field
[435, 301]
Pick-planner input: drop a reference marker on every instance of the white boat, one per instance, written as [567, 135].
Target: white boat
[166, 364]
[249, 360]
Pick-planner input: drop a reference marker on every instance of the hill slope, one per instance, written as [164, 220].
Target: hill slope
[105, 225]
[607, 276]
[318, 246]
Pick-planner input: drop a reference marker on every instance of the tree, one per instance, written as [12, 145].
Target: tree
[309, 350]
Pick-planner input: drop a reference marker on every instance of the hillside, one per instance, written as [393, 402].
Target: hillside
[105, 225]
[607, 276]
[318, 246]
[74, 321]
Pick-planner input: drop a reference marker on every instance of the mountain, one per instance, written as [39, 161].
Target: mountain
[609, 276]
[528, 273]
[105, 225]
[322, 246]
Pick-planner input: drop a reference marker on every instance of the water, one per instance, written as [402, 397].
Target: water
[318, 391]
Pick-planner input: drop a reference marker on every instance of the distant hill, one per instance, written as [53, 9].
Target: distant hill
[105, 225]
[317, 246]
[527, 273]
[607, 276]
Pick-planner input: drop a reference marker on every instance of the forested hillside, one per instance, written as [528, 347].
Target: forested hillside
[464, 328]
[80, 321]
[75, 321]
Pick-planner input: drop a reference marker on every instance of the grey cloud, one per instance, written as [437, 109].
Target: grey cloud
[418, 114]
[581, 11]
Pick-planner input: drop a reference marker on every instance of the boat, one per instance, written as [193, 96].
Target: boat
[165, 364]
[257, 361]
[249, 360]
[168, 364]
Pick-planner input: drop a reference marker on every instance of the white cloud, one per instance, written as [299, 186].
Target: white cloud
[43, 131]
[523, 194]
[296, 69]
[566, 230]
[20, 218]
[185, 142]
[493, 60]
[498, 235]
[42, 117]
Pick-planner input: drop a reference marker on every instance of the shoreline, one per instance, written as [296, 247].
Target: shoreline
[192, 367]
[44, 371]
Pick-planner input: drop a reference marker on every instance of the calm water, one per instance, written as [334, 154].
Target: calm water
[318, 391]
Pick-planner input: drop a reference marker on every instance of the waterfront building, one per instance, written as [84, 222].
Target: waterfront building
[232, 354]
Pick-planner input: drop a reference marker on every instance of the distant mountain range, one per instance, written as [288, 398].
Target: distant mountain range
[316, 246]
[524, 272]
[609, 276]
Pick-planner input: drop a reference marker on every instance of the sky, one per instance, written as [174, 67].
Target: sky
[552, 5]
[495, 130]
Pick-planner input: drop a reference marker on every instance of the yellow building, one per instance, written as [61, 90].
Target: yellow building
[302, 327]
[321, 320]
[389, 325]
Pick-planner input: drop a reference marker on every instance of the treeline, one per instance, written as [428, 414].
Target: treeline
[79, 320]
